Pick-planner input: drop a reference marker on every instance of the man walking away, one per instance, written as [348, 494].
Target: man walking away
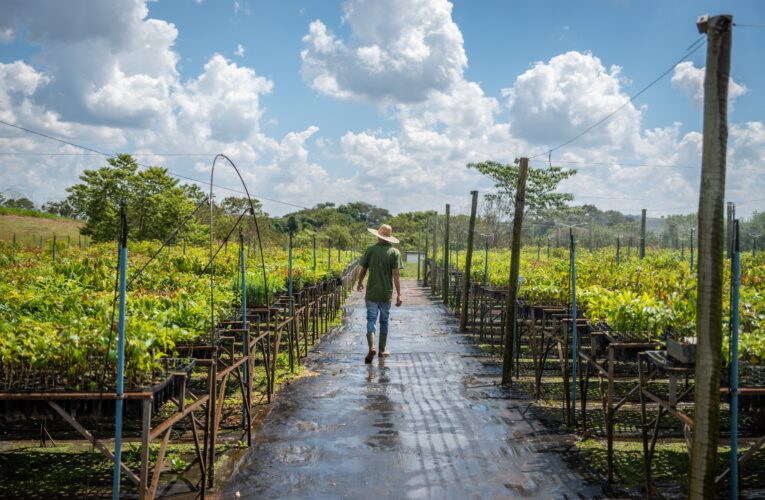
[383, 262]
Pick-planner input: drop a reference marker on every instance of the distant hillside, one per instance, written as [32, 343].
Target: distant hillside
[28, 229]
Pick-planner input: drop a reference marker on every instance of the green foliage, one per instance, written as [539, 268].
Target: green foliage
[153, 200]
[55, 316]
[365, 213]
[21, 202]
[652, 297]
[541, 184]
[25, 213]
[337, 234]
[62, 208]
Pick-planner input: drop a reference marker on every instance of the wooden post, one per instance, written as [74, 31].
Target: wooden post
[468, 262]
[419, 251]
[434, 267]
[691, 249]
[642, 233]
[445, 284]
[711, 241]
[515, 262]
[425, 269]
[729, 229]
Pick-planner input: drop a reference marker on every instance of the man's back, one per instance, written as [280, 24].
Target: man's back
[380, 260]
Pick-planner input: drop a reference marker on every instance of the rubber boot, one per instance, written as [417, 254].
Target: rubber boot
[383, 341]
[371, 344]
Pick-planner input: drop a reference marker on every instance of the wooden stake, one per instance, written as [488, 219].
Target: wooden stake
[445, 284]
[515, 262]
[642, 233]
[468, 262]
[711, 242]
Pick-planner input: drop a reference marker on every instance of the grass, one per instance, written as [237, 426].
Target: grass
[410, 271]
[26, 213]
[29, 228]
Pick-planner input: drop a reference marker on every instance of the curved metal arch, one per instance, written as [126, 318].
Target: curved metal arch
[209, 446]
[221, 156]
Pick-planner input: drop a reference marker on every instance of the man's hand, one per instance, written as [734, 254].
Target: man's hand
[399, 300]
[360, 286]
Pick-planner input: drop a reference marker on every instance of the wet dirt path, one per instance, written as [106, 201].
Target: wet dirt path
[427, 422]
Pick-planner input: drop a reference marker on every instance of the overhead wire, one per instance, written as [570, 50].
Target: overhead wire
[46, 153]
[109, 155]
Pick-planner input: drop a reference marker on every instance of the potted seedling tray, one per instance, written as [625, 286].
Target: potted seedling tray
[682, 349]
[96, 405]
[630, 344]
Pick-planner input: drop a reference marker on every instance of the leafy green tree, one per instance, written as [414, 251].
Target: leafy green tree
[541, 185]
[20, 202]
[61, 208]
[752, 232]
[360, 211]
[154, 201]
[410, 227]
[337, 234]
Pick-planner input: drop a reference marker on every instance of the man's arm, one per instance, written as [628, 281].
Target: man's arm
[363, 273]
[397, 284]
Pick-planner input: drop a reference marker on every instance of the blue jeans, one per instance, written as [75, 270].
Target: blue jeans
[383, 310]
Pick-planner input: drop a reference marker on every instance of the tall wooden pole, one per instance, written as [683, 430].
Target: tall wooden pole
[711, 244]
[468, 262]
[445, 284]
[419, 252]
[425, 268]
[515, 263]
[434, 267]
[642, 233]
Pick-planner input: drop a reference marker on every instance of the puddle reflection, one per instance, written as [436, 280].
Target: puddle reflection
[378, 403]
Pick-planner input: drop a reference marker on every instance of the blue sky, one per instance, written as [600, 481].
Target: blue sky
[383, 101]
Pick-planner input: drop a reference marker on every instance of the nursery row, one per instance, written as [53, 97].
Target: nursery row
[653, 297]
[57, 317]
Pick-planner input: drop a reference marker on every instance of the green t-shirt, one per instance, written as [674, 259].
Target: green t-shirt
[380, 260]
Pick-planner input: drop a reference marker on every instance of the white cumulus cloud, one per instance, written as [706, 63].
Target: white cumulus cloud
[690, 80]
[555, 100]
[399, 51]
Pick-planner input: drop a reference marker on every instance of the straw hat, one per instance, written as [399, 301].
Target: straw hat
[384, 233]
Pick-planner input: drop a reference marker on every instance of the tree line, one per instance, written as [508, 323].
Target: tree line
[156, 202]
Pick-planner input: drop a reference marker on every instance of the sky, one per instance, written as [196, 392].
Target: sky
[382, 101]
